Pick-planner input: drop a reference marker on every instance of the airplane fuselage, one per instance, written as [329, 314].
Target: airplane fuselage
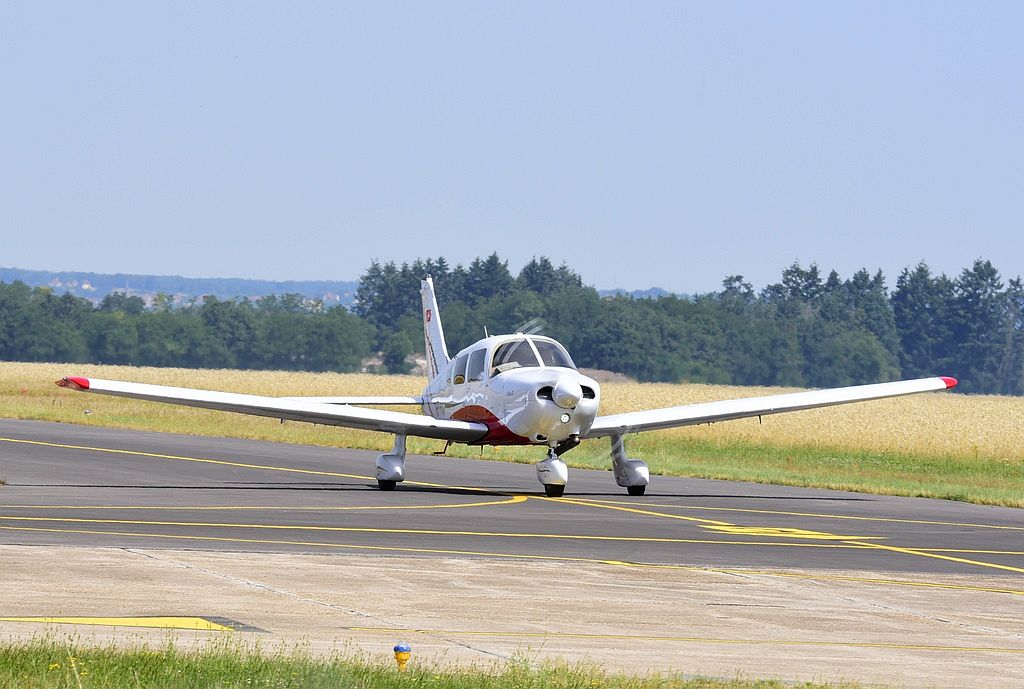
[524, 388]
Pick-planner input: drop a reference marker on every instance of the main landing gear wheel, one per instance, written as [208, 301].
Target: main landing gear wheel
[391, 466]
[553, 491]
[636, 490]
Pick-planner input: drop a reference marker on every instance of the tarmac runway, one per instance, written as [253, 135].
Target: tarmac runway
[77, 485]
[128, 537]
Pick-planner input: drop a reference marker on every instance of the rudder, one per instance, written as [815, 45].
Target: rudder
[433, 333]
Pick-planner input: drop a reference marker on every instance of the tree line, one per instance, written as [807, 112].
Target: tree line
[808, 329]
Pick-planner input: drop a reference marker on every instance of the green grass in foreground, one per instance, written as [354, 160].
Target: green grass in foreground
[51, 664]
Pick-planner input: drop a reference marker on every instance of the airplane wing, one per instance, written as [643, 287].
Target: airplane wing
[725, 410]
[293, 409]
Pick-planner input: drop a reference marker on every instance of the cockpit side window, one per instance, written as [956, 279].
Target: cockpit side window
[475, 368]
[514, 354]
[553, 355]
[459, 369]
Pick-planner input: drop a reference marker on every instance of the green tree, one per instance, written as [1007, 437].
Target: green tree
[922, 307]
[872, 307]
[397, 347]
[541, 276]
[978, 323]
[113, 338]
[486, 278]
[160, 342]
[233, 325]
[337, 341]
[1011, 369]
[162, 302]
[121, 302]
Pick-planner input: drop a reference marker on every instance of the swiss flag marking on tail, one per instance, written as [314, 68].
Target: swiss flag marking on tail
[427, 314]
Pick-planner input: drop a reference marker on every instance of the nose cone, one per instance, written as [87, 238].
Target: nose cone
[567, 393]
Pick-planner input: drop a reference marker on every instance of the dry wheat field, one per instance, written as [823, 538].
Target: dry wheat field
[877, 446]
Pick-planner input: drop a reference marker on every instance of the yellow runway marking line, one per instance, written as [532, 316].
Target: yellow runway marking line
[197, 623]
[518, 499]
[726, 526]
[313, 544]
[938, 556]
[425, 532]
[610, 504]
[582, 502]
[970, 551]
[633, 510]
[748, 510]
[688, 639]
[514, 556]
[783, 532]
[515, 499]
[241, 465]
[201, 460]
[753, 531]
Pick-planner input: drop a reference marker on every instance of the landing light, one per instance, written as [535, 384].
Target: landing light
[565, 418]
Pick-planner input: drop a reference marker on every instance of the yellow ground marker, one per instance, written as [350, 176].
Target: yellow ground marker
[196, 623]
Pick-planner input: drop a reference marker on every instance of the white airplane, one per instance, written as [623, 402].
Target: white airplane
[504, 390]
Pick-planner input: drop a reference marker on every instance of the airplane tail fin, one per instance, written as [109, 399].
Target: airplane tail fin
[433, 333]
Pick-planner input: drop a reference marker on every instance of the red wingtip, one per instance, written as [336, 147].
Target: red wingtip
[950, 382]
[74, 382]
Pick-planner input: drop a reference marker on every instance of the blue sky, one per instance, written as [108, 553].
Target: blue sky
[664, 144]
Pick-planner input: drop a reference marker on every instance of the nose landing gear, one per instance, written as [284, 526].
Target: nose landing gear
[553, 474]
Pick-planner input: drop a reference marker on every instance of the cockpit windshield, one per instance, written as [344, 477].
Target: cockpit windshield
[512, 355]
[553, 355]
[519, 354]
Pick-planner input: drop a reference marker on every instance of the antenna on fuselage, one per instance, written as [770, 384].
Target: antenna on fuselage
[486, 334]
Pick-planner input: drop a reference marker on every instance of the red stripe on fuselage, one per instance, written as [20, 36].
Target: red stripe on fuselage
[497, 432]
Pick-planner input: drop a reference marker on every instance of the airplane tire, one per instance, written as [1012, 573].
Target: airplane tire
[553, 491]
[636, 490]
[386, 485]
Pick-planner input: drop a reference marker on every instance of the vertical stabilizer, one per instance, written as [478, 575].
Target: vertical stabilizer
[433, 333]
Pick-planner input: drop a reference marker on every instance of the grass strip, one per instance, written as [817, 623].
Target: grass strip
[54, 664]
